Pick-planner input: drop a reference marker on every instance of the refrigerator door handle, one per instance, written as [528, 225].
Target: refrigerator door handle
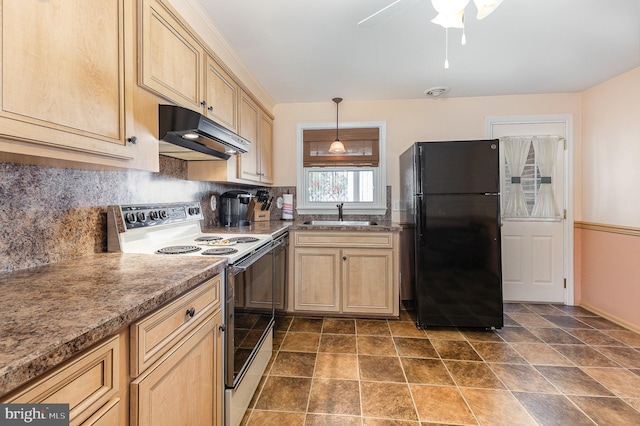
[419, 219]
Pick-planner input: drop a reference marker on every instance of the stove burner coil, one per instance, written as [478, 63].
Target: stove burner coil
[219, 251]
[178, 250]
[244, 239]
[207, 238]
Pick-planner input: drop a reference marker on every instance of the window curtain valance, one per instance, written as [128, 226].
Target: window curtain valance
[362, 145]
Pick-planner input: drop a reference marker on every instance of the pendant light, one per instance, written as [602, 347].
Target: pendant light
[337, 147]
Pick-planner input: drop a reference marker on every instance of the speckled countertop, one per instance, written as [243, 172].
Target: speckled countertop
[276, 228]
[382, 226]
[50, 313]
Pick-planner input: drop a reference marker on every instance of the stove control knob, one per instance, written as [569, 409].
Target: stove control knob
[192, 211]
[141, 217]
[130, 217]
[197, 209]
[153, 215]
[163, 214]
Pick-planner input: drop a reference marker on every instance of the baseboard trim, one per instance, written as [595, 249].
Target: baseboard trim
[610, 317]
[612, 229]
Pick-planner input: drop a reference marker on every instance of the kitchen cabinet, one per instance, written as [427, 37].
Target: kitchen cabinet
[176, 66]
[66, 80]
[176, 361]
[345, 272]
[256, 126]
[92, 383]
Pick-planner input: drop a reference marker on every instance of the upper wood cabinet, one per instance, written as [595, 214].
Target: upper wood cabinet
[256, 126]
[66, 78]
[171, 61]
[221, 100]
[174, 65]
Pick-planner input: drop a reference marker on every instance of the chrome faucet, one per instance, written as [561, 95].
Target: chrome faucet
[339, 206]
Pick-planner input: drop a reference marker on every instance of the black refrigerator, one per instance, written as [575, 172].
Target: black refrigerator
[450, 197]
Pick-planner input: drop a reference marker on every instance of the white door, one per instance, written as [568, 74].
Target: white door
[533, 249]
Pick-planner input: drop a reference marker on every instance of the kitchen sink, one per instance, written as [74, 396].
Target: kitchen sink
[340, 222]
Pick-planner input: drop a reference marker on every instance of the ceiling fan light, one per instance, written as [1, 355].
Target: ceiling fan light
[337, 147]
[449, 21]
[449, 7]
[485, 7]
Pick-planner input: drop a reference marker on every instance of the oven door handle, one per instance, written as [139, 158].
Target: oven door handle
[244, 265]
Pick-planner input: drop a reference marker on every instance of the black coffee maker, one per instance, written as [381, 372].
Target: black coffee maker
[233, 208]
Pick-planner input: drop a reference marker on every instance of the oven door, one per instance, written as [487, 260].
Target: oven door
[249, 311]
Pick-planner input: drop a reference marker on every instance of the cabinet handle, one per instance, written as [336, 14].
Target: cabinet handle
[191, 312]
[210, 108]
[132, 140]
[222, 328]
[344, 257]
[203, 103]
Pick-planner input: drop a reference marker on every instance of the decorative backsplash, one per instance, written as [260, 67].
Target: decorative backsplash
[51, 214]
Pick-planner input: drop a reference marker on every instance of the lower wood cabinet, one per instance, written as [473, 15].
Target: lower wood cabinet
[174, 375]
[345, 273]
[91, 383]
[185, 386]
[176, 361]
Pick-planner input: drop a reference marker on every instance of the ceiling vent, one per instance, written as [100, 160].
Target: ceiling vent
[435, 92]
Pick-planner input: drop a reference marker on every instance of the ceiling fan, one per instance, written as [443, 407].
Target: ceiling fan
[450, 15]
[450, 12]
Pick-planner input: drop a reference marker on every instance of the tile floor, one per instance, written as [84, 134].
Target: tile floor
[549, 365]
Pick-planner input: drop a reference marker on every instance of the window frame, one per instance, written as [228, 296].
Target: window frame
[379, 204]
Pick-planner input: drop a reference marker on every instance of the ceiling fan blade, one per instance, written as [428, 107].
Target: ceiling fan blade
[386, 12]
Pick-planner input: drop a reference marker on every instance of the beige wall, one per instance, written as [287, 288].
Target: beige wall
[409, 121]
[611, 151]
[609, 266]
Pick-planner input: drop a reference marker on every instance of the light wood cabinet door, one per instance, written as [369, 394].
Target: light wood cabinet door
[249, 162]
[221, 96]
[90, 384]
[171, 59]
[266, 149]
[66, 76]
[256, 126]
[184, 387]
[317, 279]
[367, 281]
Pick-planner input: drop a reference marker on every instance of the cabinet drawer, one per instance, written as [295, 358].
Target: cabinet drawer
[344, 239]
[86, 384]
[152, 336]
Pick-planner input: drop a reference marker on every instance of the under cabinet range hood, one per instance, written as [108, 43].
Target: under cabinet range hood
[188, 135]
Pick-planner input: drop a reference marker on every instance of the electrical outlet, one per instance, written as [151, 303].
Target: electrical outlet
[396, 205]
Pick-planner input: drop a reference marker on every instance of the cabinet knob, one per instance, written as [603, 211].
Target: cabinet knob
[344, 257]
[203, 103]
[191, 312]
[210, 108]
[132, 140]
[222, 328]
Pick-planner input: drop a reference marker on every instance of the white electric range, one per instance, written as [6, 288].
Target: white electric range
[175, 230]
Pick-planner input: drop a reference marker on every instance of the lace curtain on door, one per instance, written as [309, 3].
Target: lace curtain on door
[517, 149]
[545, 148]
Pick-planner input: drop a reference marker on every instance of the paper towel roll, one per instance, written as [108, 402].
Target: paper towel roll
[287, 207]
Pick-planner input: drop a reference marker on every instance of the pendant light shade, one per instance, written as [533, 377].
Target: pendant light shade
[337, 147]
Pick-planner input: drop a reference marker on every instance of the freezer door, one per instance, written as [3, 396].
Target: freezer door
[459, 262]
[460, 167]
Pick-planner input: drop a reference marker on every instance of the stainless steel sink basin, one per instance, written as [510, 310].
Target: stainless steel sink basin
[340, 222]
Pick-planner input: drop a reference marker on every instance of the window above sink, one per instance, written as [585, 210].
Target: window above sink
[357, 178]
